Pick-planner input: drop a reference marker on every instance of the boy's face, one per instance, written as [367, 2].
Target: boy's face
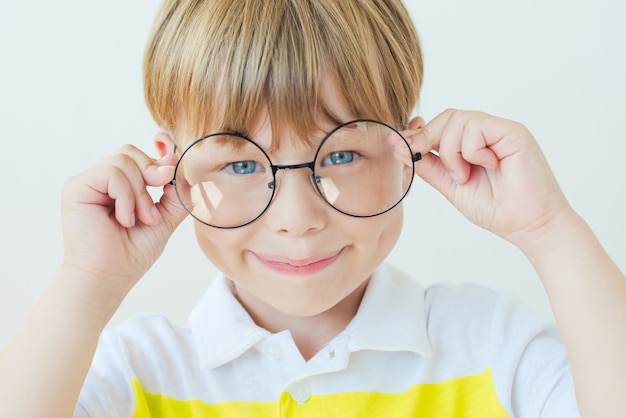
[301, 257]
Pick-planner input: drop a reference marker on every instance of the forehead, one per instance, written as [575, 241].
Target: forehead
[271, 129]
[332, 111]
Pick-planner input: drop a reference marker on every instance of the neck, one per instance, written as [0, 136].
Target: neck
[310, 333]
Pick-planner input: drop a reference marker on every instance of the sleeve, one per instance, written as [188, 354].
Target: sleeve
[530, 364]
[108, 388]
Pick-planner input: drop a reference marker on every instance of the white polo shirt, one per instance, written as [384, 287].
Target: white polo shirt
[448, 351]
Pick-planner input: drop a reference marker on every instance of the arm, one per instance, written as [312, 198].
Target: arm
[494, 172]
[113, 232]
[587, 293]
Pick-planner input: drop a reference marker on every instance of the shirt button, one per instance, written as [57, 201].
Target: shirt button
[300, 393]
[274, 351]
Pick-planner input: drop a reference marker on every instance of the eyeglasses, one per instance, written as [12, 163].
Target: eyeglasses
[362, 168]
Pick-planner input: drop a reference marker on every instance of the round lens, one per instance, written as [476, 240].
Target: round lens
[224, 180]
[364, 168]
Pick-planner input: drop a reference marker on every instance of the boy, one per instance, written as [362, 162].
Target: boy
[306, 319]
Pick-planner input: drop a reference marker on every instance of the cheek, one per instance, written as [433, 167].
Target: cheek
[392, 229]
[378, 235]
[373, 238]
[220, 246]
[392, 221]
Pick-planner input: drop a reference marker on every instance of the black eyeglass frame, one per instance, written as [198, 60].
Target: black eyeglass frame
[310, 165]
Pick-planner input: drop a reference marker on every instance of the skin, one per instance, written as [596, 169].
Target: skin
[494, 172]
[491, 169]
[270, 260]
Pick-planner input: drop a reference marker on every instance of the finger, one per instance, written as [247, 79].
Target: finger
[432, 170]
[443, 135]
[107, 187]
[155, 172]
[475, 147]
[428, 138]
[170, 209]
[121, 191]
[141, 171]
[399, 144]
[450, 148]
[462, 139]
[124, 165]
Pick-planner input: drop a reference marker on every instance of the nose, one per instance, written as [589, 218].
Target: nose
[297, 209]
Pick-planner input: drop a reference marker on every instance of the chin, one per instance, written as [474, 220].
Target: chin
[304, 310]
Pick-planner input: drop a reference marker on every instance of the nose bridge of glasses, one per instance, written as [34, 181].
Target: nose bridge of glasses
[275, 168]
[310, 165]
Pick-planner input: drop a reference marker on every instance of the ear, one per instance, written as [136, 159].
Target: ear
[164, 144]
[417, 123]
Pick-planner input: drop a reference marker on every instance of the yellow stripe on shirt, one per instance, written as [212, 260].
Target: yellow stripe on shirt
[463, 397]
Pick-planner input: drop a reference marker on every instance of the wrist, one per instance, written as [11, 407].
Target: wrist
[98, 297]
[560, 244]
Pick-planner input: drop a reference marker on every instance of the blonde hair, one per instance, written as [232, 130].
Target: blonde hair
[214, 65]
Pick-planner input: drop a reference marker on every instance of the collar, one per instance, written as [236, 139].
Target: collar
[391, 317]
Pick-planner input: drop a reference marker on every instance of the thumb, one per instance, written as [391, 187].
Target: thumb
[429, 168]
[432, 170]
[170, 208]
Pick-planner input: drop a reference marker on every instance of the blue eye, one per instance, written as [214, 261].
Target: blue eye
[339, 158]
[243, 167]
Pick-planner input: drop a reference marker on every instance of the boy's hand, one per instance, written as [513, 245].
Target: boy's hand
[493, 171]
[113, 231]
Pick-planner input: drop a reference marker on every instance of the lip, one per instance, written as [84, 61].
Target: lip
[300, 267]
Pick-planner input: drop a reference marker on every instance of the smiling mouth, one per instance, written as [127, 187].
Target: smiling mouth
[298, 267]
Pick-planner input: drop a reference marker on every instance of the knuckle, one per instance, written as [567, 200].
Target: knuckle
[125, 160]
[127, 149]
[130, 154]
[115, 171]
[472, 124]
[457, 117]
[424, 132]
[69, 184]
[454, 113]
[518, 126]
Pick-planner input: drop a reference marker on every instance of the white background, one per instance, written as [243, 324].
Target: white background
[71, 93]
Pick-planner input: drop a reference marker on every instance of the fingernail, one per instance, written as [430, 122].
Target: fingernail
[164, 168]
[167, 160]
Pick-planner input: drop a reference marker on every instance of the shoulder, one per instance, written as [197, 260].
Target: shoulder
[482, 315]
[472, 327]
[146, 327]
[147, 339]
[463, 299]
